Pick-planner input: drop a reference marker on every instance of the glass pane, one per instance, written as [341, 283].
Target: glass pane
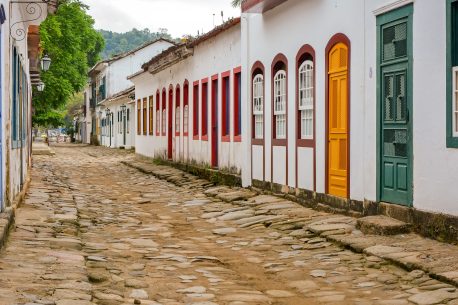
[389, 91]
[401, 102]
[395, 41]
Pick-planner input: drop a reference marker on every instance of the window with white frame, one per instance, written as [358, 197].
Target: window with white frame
[258, 106]
[455, 101]
[306, 95]
[128, 121]
[177, 120]
[164, 117]
[185, 119]
[280, 104]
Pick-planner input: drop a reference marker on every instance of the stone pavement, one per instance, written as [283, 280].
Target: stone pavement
[95, 231]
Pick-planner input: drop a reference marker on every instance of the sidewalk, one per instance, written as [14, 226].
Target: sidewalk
[410, 251]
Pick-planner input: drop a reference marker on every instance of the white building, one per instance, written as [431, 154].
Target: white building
[188, 101]
[352, 99]
[20, 64]
[109, 85]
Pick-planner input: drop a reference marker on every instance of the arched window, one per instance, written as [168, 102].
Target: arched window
[177, 112]
[164, 112]
[280, 104]
[258, 106]
[186, 109]
[306, 96]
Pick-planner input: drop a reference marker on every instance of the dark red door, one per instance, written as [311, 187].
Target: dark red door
[214, 139]
[169, 128]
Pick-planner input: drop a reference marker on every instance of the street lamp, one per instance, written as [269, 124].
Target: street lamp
[124, 122]
[108, 112]
[40, 86]
[45, 63]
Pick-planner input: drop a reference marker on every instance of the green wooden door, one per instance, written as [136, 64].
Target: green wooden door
[395, 108]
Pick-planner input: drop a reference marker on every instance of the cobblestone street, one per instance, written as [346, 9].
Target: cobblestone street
[95, 231]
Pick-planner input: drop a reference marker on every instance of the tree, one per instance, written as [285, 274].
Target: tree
[236, 3]
[69, 38]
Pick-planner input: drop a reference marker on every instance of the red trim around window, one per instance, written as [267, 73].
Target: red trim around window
[177, 108]
[237, 119]
[225, 106]
[158, 108]
[185, 103]
[204, 108]
[164, 107]
[195, 112]
[258, 68]
[304, 52]
[280, 62]
[151, 116]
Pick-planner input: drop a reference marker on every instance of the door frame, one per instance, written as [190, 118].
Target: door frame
[404, 12]
[338, 38]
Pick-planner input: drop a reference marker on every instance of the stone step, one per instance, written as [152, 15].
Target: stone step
[382, 225]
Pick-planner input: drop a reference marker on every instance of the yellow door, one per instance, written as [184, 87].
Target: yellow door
[338, 121]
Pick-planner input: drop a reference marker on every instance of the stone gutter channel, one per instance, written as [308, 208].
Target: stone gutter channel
[407, 250]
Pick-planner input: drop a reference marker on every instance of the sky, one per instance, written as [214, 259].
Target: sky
[180, 17]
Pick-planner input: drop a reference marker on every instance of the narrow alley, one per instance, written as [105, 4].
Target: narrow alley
[95, 231]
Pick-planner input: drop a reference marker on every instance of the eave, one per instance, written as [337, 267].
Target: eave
[260, 6]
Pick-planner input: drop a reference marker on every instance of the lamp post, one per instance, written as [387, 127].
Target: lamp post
[108, 112]
[124, 122]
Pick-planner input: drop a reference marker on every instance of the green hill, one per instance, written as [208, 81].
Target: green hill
[117, 43]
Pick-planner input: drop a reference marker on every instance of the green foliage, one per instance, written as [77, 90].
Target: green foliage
[118, 43]
[69, 38]
[236, 3]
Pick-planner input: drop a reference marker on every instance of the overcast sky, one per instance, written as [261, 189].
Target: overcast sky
[180, 17]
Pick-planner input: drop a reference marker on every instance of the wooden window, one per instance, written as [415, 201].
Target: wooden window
[158, 114]
[237, 105]
[258, 106]
[226, 110]
[145, 118]
[177, 111]
[139, 117]
[195, 117]
[164, 113]
[185, 109]
[204, 123]
[306, 96]
[280, 104]
[151, 105]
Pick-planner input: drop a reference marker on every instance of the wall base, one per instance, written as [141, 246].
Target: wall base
[437, 226]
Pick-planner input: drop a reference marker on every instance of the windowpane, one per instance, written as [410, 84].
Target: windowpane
[258, 106]
[164, 122]
[158, 121]
[280, 104]
[177, 120]
[306, 96]
[185, 119]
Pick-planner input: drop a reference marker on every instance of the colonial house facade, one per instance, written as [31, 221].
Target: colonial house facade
[19, 73]
[109, 94]
[188, 101]
[360, 110]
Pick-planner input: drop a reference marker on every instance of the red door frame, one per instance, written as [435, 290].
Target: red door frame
[214, 121]
[170, 125]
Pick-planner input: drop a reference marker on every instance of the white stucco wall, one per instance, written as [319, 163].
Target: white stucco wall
[264, 38]
[214, 56]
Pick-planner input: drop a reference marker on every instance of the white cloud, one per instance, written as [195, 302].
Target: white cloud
[178, 16]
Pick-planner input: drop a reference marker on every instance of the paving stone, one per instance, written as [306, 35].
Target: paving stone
[433, 297]
[382, 225]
